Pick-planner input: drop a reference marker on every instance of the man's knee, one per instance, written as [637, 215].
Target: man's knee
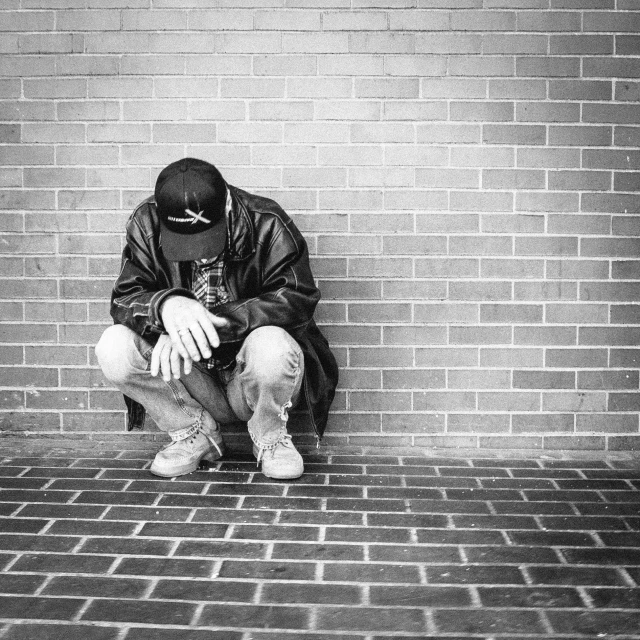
[113, 352]
[270, 351]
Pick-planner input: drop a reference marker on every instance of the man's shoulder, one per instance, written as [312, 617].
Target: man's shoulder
[144, 217]
[260, 204]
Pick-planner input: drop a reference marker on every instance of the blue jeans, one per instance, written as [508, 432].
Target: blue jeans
[260, 388]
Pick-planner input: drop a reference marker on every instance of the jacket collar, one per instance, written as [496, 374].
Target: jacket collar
[241, 228]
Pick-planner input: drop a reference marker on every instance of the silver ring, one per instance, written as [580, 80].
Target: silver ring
[181, 332]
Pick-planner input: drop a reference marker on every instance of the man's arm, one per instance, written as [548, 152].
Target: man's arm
[288, 295]
[141, 286]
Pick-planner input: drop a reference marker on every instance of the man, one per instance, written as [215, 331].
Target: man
[213, 312]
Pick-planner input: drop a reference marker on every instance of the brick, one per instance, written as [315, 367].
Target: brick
[564, 224]
[624, 443]
[577, 269]
[351, 65]
[580, 136]
[141, 611]
[602, 113]
[444, 400]
[606, 203]
[503, 44]
[519, 268]
[415, 200]
[547, 112]
[442, 313]
[320, 43]
[473, 66]
[546, 336]
[446, 267]
[623, 226]
[514, 134]
[376, 177]
[517, 89]
[446, 356]
[103, 587]
[418, 21]
[546, 246]
[482, 111]
[510, 357]
[489, 201]
[485, 245]
[478, 379]
[481, 291]
[622, 291]
[625, 314]
[544, 380]
[557, 158]
[626, 45]
[576, 313]
[482, 157]
[339, 21]
[379, 313]
[508, 401]
[413, 379]
[410, 620]
[432, 222]
[448, 43]
[623, 402]
[474, 423]
[543, 423]
[498, 313]
[617, 622]
[580, 90]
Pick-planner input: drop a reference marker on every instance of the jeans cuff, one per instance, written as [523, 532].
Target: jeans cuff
[265, 446]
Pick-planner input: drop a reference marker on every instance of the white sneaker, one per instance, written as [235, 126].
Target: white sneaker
[282, 462]
[188, 448]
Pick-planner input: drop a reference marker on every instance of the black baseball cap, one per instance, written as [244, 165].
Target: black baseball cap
[191, 198]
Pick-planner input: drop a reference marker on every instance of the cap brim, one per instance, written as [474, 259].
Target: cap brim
[180, 247]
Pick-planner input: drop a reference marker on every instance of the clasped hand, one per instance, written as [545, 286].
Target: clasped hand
[191, 334]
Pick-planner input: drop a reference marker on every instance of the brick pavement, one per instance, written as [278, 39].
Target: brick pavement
[363, 546]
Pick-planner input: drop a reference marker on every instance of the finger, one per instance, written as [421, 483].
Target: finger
[174, 362]
[177, 341]
[165, 364]
[155, 357]
[201, 340]
[210, 330]
[189, 343]
[217, 321]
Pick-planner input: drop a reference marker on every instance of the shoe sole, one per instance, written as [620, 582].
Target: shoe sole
[288, 477]
[285, 476]
[211, 456]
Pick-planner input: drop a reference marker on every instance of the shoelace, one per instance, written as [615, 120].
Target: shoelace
[190, 439]
[285, 440]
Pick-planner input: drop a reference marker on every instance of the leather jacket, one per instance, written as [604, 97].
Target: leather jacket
[266, 272]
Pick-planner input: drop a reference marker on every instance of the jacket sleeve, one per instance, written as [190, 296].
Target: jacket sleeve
[141, 286]
[288, 295]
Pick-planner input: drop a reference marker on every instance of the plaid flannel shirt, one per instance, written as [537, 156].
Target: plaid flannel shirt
[208, 285]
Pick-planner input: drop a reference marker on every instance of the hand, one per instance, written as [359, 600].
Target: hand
[192, 329]
[166, 359]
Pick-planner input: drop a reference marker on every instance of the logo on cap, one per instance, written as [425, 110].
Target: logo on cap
[194, 217]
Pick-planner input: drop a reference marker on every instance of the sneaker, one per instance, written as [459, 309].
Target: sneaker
[282, 462]
[188, 448]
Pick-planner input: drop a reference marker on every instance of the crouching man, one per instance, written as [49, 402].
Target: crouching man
[213, 312]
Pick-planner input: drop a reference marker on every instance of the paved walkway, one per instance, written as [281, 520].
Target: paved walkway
[363, 547]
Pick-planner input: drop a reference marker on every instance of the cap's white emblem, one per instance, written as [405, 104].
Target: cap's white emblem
[197, 216]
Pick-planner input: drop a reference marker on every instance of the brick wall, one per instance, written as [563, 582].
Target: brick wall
[465, 171]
